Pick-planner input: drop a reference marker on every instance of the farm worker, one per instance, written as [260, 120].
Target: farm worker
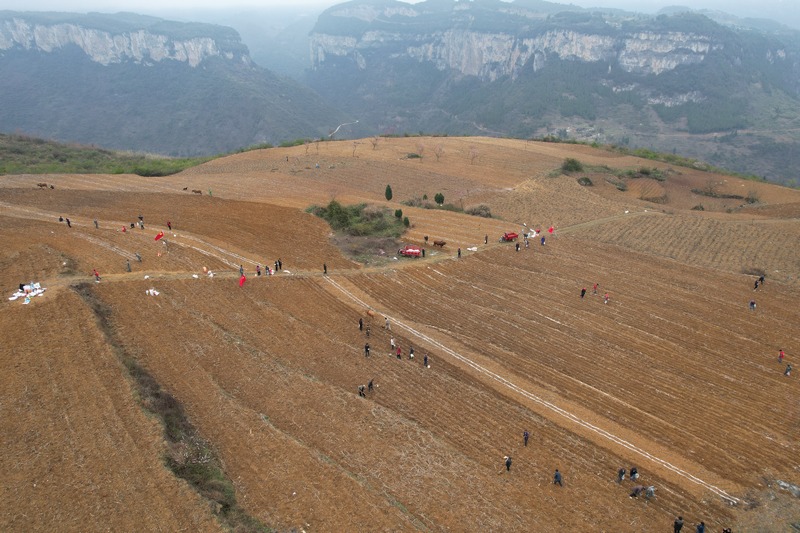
[96, 274]
[508, 463]
[69, 224]
[543, 240]
[423, 253]
[637, 489]
[788, 370]
[280, 264]
[620, 475]
[242, 280]
[399, 353]
[605, 298]
[459, 250]
[650, 492]
[241, 270]
[96, 225]
[360, 324]
[138, 257]
[701, 528]
[557, 478]
[367, 332]
[677, 525]
[486, 239]
[594, 289]
[780, 356]
[411, 352]
[324, 268]
[583, 292]
[634, 474]
[361, 391]
[761, 279]
[61, 219]
[258, 269]
[369, 385]
[525, 436]
[276, 266]
[516, 247]
[755, 286]
[127, 265]
[391, 343]
[386, 324]
[752, 305]
[425, 361]
[169, 225]
[366, 350]
[124, 229]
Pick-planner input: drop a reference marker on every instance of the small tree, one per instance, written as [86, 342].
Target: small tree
[438, 151]
[388, 193]
[438, 198]
[398, 213]
[420, 149]
[355, 146]
[406, 222]
[374, 142]
[424, 196]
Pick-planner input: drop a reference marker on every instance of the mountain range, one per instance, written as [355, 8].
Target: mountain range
[721, 89]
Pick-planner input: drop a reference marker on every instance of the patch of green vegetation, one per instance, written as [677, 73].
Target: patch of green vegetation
[571, 165]
[585, 181]
[360, 220]
[20, 154]
[190, 457]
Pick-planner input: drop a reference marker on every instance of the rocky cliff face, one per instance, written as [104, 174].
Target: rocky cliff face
[490, 55]
[139, 46]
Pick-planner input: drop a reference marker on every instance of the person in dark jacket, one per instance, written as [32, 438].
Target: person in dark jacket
[677, 525]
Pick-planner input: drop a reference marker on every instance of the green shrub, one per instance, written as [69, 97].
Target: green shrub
[388, 193]
[406, 222]
[585, 181]
[571, 165]
[359, 220]
[438, 198]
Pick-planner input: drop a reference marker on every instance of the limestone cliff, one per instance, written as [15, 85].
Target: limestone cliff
[137, 45]
[524, 43]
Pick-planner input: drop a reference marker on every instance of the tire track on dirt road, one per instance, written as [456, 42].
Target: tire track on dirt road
[571, 417]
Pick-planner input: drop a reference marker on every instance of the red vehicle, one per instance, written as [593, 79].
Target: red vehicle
[509, 236]
[409, 250]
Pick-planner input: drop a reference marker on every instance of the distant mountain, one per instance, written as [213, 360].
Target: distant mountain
[142, 83]
[728, 94]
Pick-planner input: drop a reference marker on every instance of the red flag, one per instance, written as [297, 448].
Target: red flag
[160, 234]
[242, 280]
[551, 230]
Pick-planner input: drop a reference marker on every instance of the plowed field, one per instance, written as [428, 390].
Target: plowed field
[674, 374]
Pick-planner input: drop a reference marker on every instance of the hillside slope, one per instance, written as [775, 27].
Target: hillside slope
[674, 375]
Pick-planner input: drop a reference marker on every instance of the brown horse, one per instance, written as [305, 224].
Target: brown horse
[197, 191]
[440, 244]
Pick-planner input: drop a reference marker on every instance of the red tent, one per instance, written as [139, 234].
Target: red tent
[160, 234]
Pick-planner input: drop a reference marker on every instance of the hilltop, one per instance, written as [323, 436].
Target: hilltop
[674, 375]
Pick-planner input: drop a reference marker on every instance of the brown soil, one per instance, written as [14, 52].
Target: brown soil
[674, 375]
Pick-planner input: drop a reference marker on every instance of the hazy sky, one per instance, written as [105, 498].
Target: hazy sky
[775, 9]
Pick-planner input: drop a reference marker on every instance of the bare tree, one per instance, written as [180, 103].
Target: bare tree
[374, 142]
[355, 146]
[473, 155]
[420, 149]
[307, 143]
[438, 151]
